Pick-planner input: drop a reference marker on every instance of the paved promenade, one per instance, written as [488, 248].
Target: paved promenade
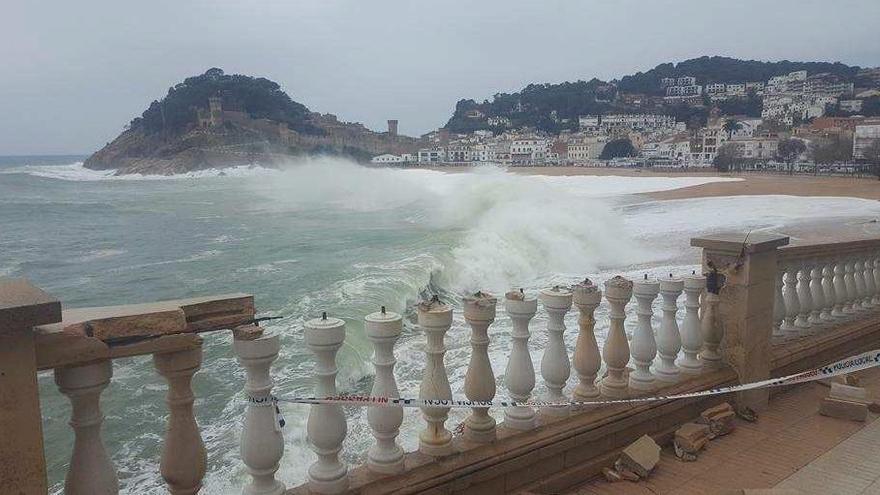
[791, 446]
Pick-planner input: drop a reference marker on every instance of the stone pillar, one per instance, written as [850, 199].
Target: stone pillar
[326, 426]
[519, 377]
[828, 294]
[22, 307]
[615, 352]
[817, 294]
[555, 367]
[91, 472]
[435, 318]
[184, 460]
[691, 336]
[385, 456]
[850, 306]
[643, 347]
[587, 361]
[779, 304]
[870, 286]
[805, 298]
[876, 262]
[669, 336]
[748, 262]
[792, 303]
[861, 288]
[479, 382]
[262, 443]
[711, 330]
[839, 290]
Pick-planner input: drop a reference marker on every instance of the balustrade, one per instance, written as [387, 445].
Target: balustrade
[828, 293]
[587, 361]
[691, 337]
[816, 294]
[479, 382]
[435, 318]
[519, 376]
[385, 456]
[805, 298]
[615, 352]
[555, 368]
[850, 304]
[644, 346]
[779, 305]
[669, 338]
[792, 303]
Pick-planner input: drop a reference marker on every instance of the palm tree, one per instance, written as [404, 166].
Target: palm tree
[730, 126]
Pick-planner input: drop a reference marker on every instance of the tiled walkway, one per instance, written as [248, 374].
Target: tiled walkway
[790, 445]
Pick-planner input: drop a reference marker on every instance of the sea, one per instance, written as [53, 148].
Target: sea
[329, 235]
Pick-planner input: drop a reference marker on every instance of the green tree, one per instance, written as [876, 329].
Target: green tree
[618, 148]
[789, 150]
[725, 159]
[730, 126]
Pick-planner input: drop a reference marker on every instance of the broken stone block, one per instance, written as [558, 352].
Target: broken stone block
[874, 407]
[719, 419]
[681, 455]
[611, 475]
[692, 437]
[641, 456]
[843, 409]
[848, 392]
[624, 472]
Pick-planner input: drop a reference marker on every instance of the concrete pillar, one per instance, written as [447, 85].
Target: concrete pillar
[615, 352]
[817, 294]
[669, 336]
[22, 306]
[479, 381]
[839, 311]
[435, 318]
[792, 303]
[91, 472]
[262, 443]
[643, 347]
[779, 304]
[383, 328]
[519, 377]
[805, 299]
[828, 294]
[691, 337]
[555, 367]
[184, 459]
[876, 262]
[326, 425]
[850, 305]
[745, 312]
[870, 286]
[587, 361]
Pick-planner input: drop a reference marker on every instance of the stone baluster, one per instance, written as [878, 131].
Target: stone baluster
[861, 288]
[555, 368]
[587, 361]
[870, 286]
[479, 382]
[805, 298]
[385, 456]
[262, 443]
[712, 332]
[816, 294]
[852, 293]
[792, 304]
[643, 347]
[615, 352]
[435, 318]
[691, 337]
[669, 338]
[828, 293]
[876, 262]
[840, 292]
[91, 471]
[519, 377]
[326, 427]
[779, 304]
[184, 459]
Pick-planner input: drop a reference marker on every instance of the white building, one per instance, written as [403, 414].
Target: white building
[586, 149]
[736, 90]
[683, 91]
[686, 81]
[528, 150]
[387, 158]
[755, 148]
[432, 155]
[851, 106]
[864, 136]
[715, 89]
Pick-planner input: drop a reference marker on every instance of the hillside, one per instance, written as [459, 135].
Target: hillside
[215, 120]
[555, 107]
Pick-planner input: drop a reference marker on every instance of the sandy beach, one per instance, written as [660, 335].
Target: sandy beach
[751, 184]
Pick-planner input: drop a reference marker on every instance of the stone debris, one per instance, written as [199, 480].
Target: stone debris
[851, 380]
[843, 409]
[719, 419]
[849, 393]
[611, 475]
[641, 456]
[691, 438]
[681, 455]
[747, 414]
[874, 407]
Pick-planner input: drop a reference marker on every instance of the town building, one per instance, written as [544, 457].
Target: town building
[755, 148]
[865, 135]
[387, 158]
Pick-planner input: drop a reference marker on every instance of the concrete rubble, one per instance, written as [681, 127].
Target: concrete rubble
[690, 439]
[849, 402]
[719, 419]
[641, 456]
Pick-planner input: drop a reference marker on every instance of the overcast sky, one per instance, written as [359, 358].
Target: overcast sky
[72, 73]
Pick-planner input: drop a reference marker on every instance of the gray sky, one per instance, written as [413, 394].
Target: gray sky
[72, 73]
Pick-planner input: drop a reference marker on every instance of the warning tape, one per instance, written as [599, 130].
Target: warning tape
[849, 365]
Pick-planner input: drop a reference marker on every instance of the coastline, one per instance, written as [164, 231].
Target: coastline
[752, 184]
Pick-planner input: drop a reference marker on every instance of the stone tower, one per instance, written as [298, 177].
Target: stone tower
[215, 108]
[392, 128]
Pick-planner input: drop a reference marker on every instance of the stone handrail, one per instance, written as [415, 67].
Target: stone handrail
[724, 334]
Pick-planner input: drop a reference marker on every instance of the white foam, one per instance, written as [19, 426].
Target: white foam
[77, 172]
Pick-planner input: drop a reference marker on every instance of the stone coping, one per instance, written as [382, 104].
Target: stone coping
[737, 242]
[23, 305]
[798, 251]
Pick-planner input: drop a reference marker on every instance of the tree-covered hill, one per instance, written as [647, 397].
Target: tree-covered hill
[726, 70]
[257, 96]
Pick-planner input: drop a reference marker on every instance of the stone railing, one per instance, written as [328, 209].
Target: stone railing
[724, 335]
